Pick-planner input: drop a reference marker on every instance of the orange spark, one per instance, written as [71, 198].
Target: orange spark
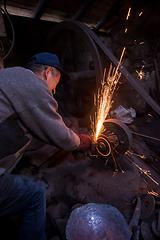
[153, 193]
[146, 172]
[129, 10]
[141, 74]
[141, 43]
[126, 158]
[143, 156]
[125, 30]
[140, 14]
[103, 100]
[150, 115]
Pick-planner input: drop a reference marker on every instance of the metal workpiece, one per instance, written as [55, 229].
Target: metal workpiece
[150, 217]
[122, 132]
[135, 220]
[148, 206]
[145, 222]
[94, 144]
[104, 146]
[116, 138]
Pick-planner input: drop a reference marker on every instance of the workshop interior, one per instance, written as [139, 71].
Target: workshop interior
[111, 51]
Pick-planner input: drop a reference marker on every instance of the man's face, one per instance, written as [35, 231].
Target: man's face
[52, 78]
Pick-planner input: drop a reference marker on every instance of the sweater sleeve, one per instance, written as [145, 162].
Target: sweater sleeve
[48, 125]
[37, 109]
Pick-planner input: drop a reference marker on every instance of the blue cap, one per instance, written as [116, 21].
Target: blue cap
[52, 60]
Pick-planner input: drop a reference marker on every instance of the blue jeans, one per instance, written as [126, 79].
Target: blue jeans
[26, 197]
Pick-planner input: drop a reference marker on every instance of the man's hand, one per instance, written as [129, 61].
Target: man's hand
[85, 143]
[85, 147]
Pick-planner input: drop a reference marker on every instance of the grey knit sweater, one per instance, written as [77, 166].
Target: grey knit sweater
[27, 108]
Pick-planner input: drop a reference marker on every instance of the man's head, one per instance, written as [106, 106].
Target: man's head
[47, 66]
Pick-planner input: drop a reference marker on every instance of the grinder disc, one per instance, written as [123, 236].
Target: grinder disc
[123, 136]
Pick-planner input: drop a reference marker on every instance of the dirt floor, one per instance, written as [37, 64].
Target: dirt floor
[72, 182]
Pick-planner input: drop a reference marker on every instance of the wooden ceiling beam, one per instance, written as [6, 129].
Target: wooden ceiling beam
[114, 9]
[40, 8]
[82, 10]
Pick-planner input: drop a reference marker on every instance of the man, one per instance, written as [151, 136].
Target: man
[28, 109]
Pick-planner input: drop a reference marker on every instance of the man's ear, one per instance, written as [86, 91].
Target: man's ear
[47, 71]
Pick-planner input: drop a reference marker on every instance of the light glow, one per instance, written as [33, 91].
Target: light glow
[103, 100]
[141, 74]
[146, 172]
[129, 10]
[153, 193]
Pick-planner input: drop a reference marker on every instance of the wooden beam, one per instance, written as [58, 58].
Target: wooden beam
[2, 26]
[81, 11]
[114, 9]
[1, 63]
[40, 8]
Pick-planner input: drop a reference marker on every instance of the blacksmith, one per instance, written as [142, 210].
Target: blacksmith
[28, 109]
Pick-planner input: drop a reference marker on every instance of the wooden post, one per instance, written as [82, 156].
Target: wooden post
[2, 35]
[1, 63]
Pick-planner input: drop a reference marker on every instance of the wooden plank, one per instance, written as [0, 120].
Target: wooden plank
[2, 27]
